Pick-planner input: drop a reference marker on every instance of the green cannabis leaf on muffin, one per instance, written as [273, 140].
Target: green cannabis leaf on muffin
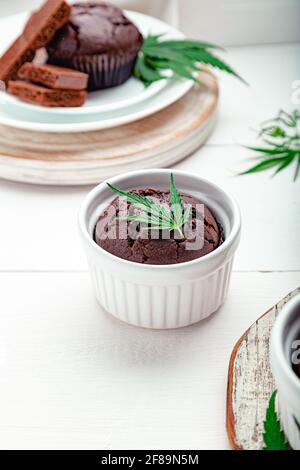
[182, 56]
[281, 144]
[155, 215]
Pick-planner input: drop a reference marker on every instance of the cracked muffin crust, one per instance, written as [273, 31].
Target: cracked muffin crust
[126, 240]
[98, 40]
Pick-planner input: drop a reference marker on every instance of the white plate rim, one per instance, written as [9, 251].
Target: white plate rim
[6, 98]
[74, 127]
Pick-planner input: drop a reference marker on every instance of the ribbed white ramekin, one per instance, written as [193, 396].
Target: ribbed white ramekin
[285, 332]
[161, 297]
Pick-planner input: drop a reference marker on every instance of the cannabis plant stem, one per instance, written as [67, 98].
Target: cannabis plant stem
[179, 230]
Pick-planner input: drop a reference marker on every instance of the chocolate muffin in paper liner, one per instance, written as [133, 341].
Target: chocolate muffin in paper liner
[98, 40]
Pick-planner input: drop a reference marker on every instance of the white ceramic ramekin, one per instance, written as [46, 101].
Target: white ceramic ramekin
[284, 334]
[161, 297]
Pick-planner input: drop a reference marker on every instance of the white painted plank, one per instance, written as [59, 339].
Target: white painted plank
[72, 377]
[270, 71]
[39, 227]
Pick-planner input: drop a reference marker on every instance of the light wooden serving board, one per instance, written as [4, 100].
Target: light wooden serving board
[250, 382]
[84, 158]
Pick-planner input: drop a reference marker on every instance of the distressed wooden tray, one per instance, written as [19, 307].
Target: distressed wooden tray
[250, 382]
[86, 158]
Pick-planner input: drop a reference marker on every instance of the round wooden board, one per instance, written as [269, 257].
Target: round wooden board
[250, 382]
[85, 158]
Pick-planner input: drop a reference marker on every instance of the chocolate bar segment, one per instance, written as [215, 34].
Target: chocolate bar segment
[53, 76]
[38, 32]
[16, 55]
[46, 97]
[43, 23]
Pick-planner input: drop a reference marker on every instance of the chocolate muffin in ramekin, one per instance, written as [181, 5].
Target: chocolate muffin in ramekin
[98, 40]
[156, 283]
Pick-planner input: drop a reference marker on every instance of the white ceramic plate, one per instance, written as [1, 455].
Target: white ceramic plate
[100, 103]
[22, 119]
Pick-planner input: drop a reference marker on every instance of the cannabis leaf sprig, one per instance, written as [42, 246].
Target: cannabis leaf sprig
[282, 139]
[274, 437]
[157, 216]
[182, 57]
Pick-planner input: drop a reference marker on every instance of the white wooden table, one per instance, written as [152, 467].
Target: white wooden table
[72, 377]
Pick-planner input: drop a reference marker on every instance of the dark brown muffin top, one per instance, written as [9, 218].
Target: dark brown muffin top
[157, 251]
[96, 28]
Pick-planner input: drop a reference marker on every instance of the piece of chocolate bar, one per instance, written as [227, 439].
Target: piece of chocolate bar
[54, 77]
[38, 32]
[15, 56]
[45, 96]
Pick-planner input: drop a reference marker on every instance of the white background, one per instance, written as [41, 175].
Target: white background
[228, 22]
[71, 376]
